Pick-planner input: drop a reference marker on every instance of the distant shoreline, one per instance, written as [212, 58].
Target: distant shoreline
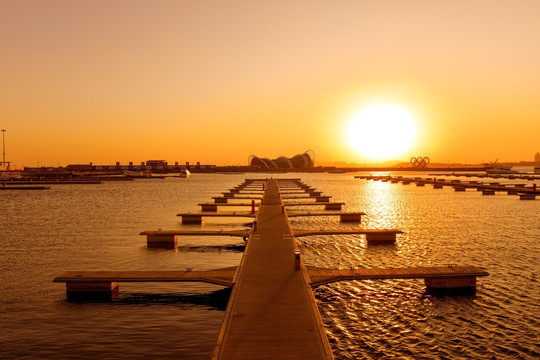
[246, 169]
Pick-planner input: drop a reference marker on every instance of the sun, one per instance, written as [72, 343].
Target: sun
[381, 131]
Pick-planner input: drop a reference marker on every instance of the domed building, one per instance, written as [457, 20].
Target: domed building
[299, 161]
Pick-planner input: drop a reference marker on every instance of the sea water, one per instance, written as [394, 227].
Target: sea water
[96, 227]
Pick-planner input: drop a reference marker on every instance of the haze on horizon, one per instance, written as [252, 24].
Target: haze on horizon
[105, 81]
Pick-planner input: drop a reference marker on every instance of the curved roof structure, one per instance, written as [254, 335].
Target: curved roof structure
[298, 161]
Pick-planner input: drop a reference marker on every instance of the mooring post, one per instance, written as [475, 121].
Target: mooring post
[253, 206]
[297, 260]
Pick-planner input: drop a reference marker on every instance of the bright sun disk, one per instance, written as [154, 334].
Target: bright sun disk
[382, 131]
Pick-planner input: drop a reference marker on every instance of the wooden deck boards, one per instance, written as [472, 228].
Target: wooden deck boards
[272, 312]
[324, 213]
[239, 233]
[220, 214]
[321, 276]
[299, 233]
[219, 276]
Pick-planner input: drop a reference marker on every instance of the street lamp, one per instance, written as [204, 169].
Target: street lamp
[4, 146]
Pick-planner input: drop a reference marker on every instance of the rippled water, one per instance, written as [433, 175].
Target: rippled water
[96, 227]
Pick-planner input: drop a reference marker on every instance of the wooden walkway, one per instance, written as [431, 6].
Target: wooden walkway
[239, 233]
[320, 276]
[491, 188]
[223, 276]
[272, 312]
[11, 187]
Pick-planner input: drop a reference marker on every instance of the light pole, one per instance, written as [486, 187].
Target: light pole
[4, 147]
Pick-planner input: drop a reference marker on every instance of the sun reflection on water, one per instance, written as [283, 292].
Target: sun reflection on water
[382, 204]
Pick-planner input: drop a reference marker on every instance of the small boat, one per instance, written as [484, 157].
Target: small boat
[501, 170]
[185, 173]
[336, 171]
[537, 169]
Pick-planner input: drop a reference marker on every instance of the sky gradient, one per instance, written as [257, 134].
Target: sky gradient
[216, 81]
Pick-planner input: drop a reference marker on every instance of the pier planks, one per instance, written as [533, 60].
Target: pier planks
[219, 276]
[272, 312]
[320, 276]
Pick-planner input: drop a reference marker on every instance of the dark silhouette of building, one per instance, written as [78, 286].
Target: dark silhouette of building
[299, 161]
[537, 158]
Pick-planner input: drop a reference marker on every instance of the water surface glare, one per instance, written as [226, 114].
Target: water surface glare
[83, 227]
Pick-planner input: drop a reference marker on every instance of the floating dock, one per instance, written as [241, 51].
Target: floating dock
[491, 188]
[434, 277]
[11, 187]
[272, 312]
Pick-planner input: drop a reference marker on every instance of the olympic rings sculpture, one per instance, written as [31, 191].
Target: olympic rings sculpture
[420, 162]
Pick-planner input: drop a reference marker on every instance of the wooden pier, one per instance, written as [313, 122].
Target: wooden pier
[491, 188]
[168, 238]
[197, 218]
[372, 235]
[445, 276]
[218, 276]
[15, 187]
[272, 312]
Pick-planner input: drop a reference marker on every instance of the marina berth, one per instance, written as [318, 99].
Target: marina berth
[271, 271]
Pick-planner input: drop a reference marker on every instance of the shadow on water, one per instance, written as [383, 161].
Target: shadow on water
[454, 292]
[216, 300]
[213, 248]
[235, 248]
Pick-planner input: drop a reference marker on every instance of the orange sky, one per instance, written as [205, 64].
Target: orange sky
[216, 81]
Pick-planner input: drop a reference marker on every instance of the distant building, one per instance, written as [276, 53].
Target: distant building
[160, 165]
[299, 161]
[537, 158]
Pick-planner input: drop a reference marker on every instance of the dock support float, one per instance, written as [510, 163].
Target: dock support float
[209, 207]
[453, 282]
[381, 238]
[161, 241]
[527, 197]
[334, 206]
[191, 219]
[98, 291]
[351, 217]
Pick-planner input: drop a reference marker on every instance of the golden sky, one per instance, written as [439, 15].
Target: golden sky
[216, 81]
